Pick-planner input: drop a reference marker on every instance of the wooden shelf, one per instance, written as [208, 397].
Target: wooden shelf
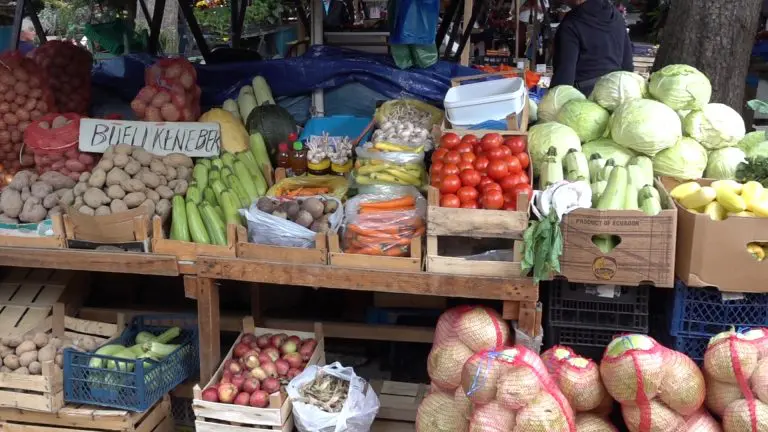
[99, 261]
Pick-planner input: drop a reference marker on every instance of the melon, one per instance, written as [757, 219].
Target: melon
[719, 395]
[720, 353]
[759, 380]
[683, 386]
[479, 376]
[492, 417]
[482, 329]
[737, 417]
[517, 387]
[661, 418]
[579, 380]
[586, 422]
[445, 363]
[438, 413]
[701, 421]
[626, 359]
[543, 414]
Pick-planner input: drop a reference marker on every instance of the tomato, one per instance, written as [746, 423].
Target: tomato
[523, 188]
[450, 169]
[510, 202]
[515, 143]
[470, 177]
[467, 194]
[524, 159]
[493, 200]
[450, 200]
[513, 165]
[450, 140]
[493, 186]
[481, 163]
[464, 165]
[452, 157]
[524, 178]
[465, 148]
[506, 150]
[491, 140]
[509, 182]
[435, 182]
[497, 169]
[469, 157]
[450, 184]
[496, 153]
[439, 154]
[469, 138]
[484, 181]
[437, 167]
[470, 205]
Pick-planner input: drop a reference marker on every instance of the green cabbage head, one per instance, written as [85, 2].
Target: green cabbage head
[608, 149]
[681, 87]
[645, 126]
[715, 126]
[555, 98]
[613, 89]
[586, 118]
[723, 162]
[686, 160]
[757, 150]
[551, 134]
[752, 138]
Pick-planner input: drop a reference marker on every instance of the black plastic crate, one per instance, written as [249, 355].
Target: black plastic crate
[586, 342]
[578, 305]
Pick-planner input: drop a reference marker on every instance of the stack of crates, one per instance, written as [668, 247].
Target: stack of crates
[587, 317]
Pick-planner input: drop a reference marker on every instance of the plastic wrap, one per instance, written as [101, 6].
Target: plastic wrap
[337, 186]
[68, 67]
[533, 343]
[264, 228]
[55, 149]
[357, 414]
[381, 224]
[389, 168]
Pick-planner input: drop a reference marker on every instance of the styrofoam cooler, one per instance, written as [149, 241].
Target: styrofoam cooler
[471, 104]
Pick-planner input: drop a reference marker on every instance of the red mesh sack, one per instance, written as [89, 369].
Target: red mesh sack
[54, 139]
[736, 368]
[588, 422]
[171, 92]
[655, 386]
[701, 421]
[69, 68]
[25, 97]
[578, 379]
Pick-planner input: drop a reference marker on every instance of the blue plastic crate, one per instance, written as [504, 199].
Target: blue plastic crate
[338, 126]
[703, 311]
[131, 385]
[692, 346]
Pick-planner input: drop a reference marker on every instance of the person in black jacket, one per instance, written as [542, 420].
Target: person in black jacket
[591, 41]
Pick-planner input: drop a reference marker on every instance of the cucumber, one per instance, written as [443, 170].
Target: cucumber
[612, 197]
[200, 174]
[179, 226]
[196, 227]
[214, 224]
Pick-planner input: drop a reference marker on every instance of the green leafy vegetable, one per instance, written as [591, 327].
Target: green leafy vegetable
[543, 247]
[755, 168]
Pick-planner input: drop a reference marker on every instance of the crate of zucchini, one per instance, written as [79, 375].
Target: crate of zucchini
[151, 357]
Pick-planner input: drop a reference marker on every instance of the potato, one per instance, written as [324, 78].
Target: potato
[55, 210]
[108, 154]
[80, 188]
[117, 206]
[170, 173]
[87, 343]
[142, 156]
[154, 196]
[181, 187]
[4, 351]
[26, 346]
[116, 176]
[133, 185]
[74, 165]
[5, 369]
[35, 368]
[59, 360]
[125, 149]
[102, 211]
[178, 159]
[40, 339]
[25, 194]
[50, 200]
[183, 173]
[121, 160]
[132, 167]
[97, 178]
[12, 361]
[158, 167]
[57, 180]
[46, 353]
[94, 197]
[12, 341]
[56, 342]
[105, 164]
[150, 179]
[11, 202]
[163, 209]
[164, 192]
[84, 177]
[33, 211]
[115, 192]
[87, 210]
[150, 206]
[28, 357]
[22, 371]
[40, 189]
[78, 202]
[134, 199]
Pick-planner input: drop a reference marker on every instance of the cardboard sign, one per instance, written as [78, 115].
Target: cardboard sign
[191, 139]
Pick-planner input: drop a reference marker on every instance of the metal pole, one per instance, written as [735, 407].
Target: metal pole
[234, 9]
[18, 17]
[155, 26]
[468, 28]
[194, 27]
[318, 12]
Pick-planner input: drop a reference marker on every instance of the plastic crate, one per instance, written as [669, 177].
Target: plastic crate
[183, 416]
[692, 346]
[586, 342]
[704, 312]
[131, 385]
[573, 306]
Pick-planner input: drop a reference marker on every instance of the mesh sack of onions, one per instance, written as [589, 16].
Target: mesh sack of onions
[171, 92]
[24, 97]
[736, 370]
[69, 69]
[53, 139]
[579, 380]
[658, 388]
[460, 333]
[442, 411]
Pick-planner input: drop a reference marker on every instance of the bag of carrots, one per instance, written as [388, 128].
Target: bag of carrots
[384, 224]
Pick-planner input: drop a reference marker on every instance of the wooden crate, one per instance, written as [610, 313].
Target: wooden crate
[399, 400]
[45, 392]
[27, 296]
[56, 241]
[189, 251]
[502, 227]
[337, 257]
[127, 230]
[293, 255]
[84, 418]
[219, 417]
[643, 65]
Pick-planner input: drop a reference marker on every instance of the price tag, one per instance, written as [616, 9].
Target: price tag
[160, 138]
[541, 68]
[520, 65]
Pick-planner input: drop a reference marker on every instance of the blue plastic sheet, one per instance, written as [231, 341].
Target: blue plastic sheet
[413, 22]
[322, 67]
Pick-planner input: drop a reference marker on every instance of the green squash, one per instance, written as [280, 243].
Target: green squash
[274, 123]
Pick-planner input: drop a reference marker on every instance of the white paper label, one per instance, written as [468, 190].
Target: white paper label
[541, 68]
[190, 138]
[520, 65]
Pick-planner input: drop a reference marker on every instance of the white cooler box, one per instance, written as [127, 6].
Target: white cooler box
[472, 104]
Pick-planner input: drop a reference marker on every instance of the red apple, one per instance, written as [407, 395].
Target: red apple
[272, 352]
[292, 373]
[270, 369]
[294, 359]
[282, 367]
[278, 339]
[295, 339]
[227, 392]
[251, 359]
[270, 385]
[263, 340]
[211, 394]
[238, 381]
[254, 347]
[226, 377]
[289, 346]
[251, 385]
[242, 398]
[235, 368]
[248, 338]
[306, 350]
[240, 350]
[258, 373]
[259, 399]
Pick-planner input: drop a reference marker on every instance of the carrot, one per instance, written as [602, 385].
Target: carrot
[367, 210]
[386, 241]
[405, 201]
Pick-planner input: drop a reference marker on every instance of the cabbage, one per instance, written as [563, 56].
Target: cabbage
[681, 87]
[545, 135]
[533, 110]
[752, 138]
[586, 118]
[757, 150]
[645, 126]
[607, 150]
[722, 163]
[715, 126]
[555, 98]
[686, 160]
[617, 87]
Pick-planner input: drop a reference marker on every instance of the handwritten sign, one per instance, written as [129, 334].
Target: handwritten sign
[191, 139]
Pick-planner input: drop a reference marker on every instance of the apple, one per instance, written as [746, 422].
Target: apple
[292, 373]
[307, 349]
[278, 339]
[270, 369]
[254, 347]
[288, 346]
[211, 394]
[242, 398]
[258, 373]
[295, 339]
[259, 399]
[272, 352]
[248, 338]
[270, 385]
[238, 381]
[251, 385]
[235, 368]
[240, 350]
[226, 377]
[294, 359]
[263, 340]
[282, 367]
[264, 358]
[227, 392]
[251, 360]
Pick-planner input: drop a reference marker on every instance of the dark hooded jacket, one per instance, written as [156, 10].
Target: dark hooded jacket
[590, 42]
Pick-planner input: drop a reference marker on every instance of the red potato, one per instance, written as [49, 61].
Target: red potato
[56, 157]
[160, 99]
[42, 106]
[35, 93]
[30, 104]
[58, 165]
[10, 96]
[10, 119]
[16, 137]
[28, 160]
[86, 159]
[34, 83]
[23, 115]
[72, 153]
[5, 107]
[65, 171]
[74, 176]
[5, 138]
[170, 113]
[153, 114]
[20, 100]
[139, 107]
[74, 165]
[20, 74]
[35, 114]
[22, 125]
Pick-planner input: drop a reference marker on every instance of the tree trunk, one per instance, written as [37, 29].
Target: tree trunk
[716, 37]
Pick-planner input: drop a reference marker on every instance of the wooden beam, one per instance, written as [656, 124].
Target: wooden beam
[467, 21]
[99, 261]
[521, 289]
[208, 322]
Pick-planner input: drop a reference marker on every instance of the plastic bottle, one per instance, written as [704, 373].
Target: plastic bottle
[284, 159]
[299, 159]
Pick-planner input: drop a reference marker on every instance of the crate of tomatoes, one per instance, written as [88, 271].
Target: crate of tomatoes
[479, 195]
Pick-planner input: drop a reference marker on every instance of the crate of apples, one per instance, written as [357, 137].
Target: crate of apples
[487, 172]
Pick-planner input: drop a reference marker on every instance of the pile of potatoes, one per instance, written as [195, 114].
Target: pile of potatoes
[127, 177]
[31, 198]
[25, 355]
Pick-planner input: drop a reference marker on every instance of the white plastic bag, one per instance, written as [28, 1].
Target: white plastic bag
[359, 409]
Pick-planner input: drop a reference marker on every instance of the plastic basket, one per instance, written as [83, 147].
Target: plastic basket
[704, 311]
[573, 305]
[587, 342]
[692, 346]
[131, 385]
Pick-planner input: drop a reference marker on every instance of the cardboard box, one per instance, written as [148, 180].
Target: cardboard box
[645, 254]
[714, 253]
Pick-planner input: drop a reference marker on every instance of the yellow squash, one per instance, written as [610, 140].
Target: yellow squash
[732, 202]
[234, 137]
[752, 192]
[699, 198]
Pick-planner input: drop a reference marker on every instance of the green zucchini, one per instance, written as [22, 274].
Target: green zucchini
[196, 226]
[213, 175]
[194, 194]
[237, 187]
[228, 159]
[576, 166]
[179, 227]
[646, 168]
[200, 174]
[551, 170]
[605, 173]
[649, 201]
[259, 151]
[613, 196]
[630, 197]
[218, 163]
[262, 91]
[595, 164]
[229, 206]
[206, 162]
[245, 178]
[214, 224]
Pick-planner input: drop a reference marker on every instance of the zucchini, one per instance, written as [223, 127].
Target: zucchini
[228, 159]
[636, 176]
[231, 106]
[244, 176]
[613, 196]
[214, 174]
[551, 170]
[106, 350]
[200, 174]
[246, 103]
[206, 162]
[630, 197]
[598, 188]
[219, 211]
[179, 227]
[235, 185]
[646, 168]
[217, 163]
[196, 227]
[214, 225]
[218, 187]
[605, 173]
[226, 172]
[649, 201]
[595, 164]
[247, 158]
[210, 197]
[194, 195]
[259, 151]
[576, 166]
[262, 91]
[229, 206]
